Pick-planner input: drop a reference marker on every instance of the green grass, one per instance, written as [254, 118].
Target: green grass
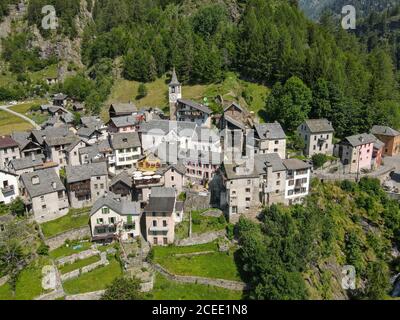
[95, 280]
[78, 264]
[76, 218]
[65, 251]
[10, 123]
[25, 108]
[165, 289]
[29, 284]
[48, 72]
[217, 265]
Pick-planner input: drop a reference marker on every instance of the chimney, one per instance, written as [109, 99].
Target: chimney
[54, 185]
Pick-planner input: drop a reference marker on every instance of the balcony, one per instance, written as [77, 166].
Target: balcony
[159, 229]
[8, 190]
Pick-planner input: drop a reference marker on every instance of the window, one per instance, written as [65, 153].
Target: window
[278, 183]
[102, 186]
[290, 192]
[276, 142]
[165, 241]
[155, 241]
[154, 223]
[44, 206]
[291, 182]
[96, 186]
[99, 221]
[248, 190]
[164, 223]
[105, 210]
[172, 178]
[98, 178]
[42, 198]
[248, 199]
[111, 220]
[278, 175]
[60, 194]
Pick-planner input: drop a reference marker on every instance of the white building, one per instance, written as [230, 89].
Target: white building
[317, 135]
[127, 150]
[271, 138]
[298, 177]
[8, 187]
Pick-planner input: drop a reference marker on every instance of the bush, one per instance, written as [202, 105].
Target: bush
[230, 231]
[17, 207]
[319, 160]
[182, 196]
[35, 108]
[142, 91]
[43, 250]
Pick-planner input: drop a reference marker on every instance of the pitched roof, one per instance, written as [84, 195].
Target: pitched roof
[195, 105]
[123, 121]
[58, 141]
[319, 125]
[85, 171]
[92, 121]
[385, 131]
[271, 131]
[49, 182]
[7, 142]
[161, 200]
[262, 161]
[296, 164]
[28, 162]
[119, 205]
[21, 138]
[125, 140]
[174, 79]
[360, 139]
[87, 132]
[162, 192]
[60, 96]
[53, 132]
[124, 107]
[163, 127]
[123, 177]
[378, 144]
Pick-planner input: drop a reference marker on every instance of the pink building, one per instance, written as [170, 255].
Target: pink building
[356, 152]
[123, 124]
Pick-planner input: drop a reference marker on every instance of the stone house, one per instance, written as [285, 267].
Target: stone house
[44, 195]
[123, 124]
[8, 187]
[25, 165]
[86, 183]
[56, 148]
[60, 100]
[121, 185]
[90, 135]
[27, 146]
[270, 138]
[9, 150]
[160, 216]
[390, 137]
[127, 150]
[190, 111]
[317, 135]
[356, 152]
[112, 217]
[377, 155]
[72, 152]
[122, 110]
[298, 177]
[174, 176]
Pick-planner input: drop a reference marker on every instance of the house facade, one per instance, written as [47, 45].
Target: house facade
[9, 190]
[298, 177]
[9, 150]
[86, 183]
[317, 135]
[127, 150]
[44, 195]
[270, 138]
[191, 111]
[112, 218]
[390, 137]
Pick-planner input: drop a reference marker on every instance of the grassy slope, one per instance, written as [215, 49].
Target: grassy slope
[165, 289]
[231, 89]
[78, 264]
[10, 123]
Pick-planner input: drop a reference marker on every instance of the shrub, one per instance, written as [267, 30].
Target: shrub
[43, 249]
[319, 160]
[35, 108]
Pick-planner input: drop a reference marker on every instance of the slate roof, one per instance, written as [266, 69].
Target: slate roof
[60, 96]
[261, 161]
[179, 167]
[296, 164]
[174, 79]
[74, 144]
[124, 121]
[91, 121]
[125, 140]
[385, 131]
[117, 204]
[21, 138]
[122, 177]
[7, 142]
[49, 182]
[270, 131]
[24, 163]
[124, 107]
[319, 125]
[161, 200]
[360, 139]
[53, 132]
[378, 144]
[195, 105]
[85, 171]
[163, 127]
[87, 132]
[58, 141]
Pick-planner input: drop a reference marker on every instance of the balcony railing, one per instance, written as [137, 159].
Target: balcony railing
[8, 189]
[159, 229]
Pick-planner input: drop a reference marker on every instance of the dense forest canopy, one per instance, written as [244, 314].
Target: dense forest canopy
[337, 75]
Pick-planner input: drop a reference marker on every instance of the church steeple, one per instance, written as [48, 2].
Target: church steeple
[175, 93]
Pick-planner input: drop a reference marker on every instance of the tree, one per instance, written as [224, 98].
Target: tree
[78, 87]
[142, 91]
[17, 207]
[123, 288]
[290, 104]
[319, 160]
[378, 284]
[77, 119]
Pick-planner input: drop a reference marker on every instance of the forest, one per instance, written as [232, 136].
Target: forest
[313, 69]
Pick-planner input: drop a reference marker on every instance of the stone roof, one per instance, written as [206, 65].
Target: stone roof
[174, 79]
[28, 162]
[92, 121]
[115, 203]
[21, 137]
[87, 132]
[58, 141]
[319, 125]
[85, 172]
[296, 164]
[385, 131]
[195, 105]
[124, 107]
[378, 144]
[261, 161]
[124, 121]
[360, 139]
[49, 182]
[60, 96]
[179, 167]
[161, 200]
[161, 192]
[163, 127]
[270, 131]
[125, 140]
[7, 142]
[122, 177]
[53, 132]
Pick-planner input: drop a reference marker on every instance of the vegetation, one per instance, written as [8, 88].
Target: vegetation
[78, 264]
[319, 160]
[88, 282]
[123, 288]
[76, 218]
[10, 123]
[69, 249]
[296, 243]
[165, 289]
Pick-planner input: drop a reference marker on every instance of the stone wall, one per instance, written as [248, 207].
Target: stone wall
[77, 256]
[201, 238]
[195, 201]
[96, 295]
[75, 234]
[76, 273]
[226, 284]
[3, 280]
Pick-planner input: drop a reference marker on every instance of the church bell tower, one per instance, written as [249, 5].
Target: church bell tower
[175, 93]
